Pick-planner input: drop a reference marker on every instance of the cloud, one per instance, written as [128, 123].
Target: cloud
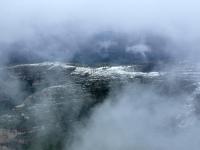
[53, 29]
[140, 118]
[20, 19]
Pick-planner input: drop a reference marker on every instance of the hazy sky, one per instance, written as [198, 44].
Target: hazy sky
[26, 20]
[24, 17]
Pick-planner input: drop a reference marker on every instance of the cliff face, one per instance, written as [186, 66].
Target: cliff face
[42, 103]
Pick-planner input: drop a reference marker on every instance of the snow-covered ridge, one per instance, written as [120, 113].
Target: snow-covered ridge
[106, 71]
[50, 65]
[183, 70]
[123, 71]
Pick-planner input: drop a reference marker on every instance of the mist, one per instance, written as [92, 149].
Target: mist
[140, 117]
[107, 74]
[56, 30]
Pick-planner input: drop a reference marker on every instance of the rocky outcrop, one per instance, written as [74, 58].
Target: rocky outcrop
[41, 103]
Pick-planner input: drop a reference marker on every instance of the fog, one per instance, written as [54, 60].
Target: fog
[138, 117]
[51, 29]
[111, 32]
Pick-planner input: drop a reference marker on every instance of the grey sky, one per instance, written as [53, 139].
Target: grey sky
[72, 20]
[21, 18]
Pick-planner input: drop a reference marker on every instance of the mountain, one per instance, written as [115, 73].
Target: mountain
[42, 103]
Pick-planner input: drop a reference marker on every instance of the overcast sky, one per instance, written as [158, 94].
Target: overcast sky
[26, 19]
[21, 18]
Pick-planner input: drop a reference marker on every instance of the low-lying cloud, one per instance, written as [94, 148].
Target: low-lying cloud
[140, 118]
